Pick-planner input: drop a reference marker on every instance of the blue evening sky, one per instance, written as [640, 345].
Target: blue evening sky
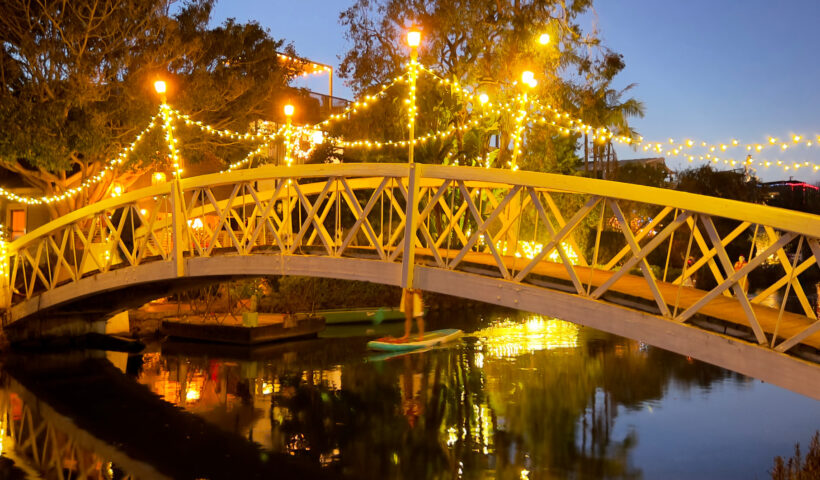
[709, 70]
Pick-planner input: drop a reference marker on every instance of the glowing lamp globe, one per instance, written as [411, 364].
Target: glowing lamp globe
[157, 178]
[528, 78]
[289, 109]
[413, 37]
[160, 86]
[318, 137]
[483, 98]
[544, 39]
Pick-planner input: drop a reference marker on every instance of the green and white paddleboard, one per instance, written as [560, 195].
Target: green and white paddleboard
[436, 337]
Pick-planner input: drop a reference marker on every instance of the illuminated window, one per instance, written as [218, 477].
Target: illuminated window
[18, 223]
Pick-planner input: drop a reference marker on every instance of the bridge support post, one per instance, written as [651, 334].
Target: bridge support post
[410, 226]
[178, 229]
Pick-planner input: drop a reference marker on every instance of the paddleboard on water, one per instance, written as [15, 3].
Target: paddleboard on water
[436, 337]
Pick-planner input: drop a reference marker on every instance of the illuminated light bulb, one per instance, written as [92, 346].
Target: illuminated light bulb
[796, 138]
[414, 37]
[544, 39]
[528, 78]
[483, 98]
[318, 137]
[289, 109]
[159, 86]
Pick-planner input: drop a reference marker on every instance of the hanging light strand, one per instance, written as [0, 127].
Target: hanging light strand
[119, 159]
[364, 102]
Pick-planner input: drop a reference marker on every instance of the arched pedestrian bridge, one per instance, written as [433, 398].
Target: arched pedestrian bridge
[602, 254]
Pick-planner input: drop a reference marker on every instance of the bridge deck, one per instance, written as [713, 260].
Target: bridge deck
[723, 308]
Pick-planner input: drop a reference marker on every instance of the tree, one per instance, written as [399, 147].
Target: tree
[486, 43]
[729, 184]
[76, 86]
[600, 104]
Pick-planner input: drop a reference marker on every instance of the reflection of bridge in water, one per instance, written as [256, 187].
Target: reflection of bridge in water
[80, 417]
[603, 254]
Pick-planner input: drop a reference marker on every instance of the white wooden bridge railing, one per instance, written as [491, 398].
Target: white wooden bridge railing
[596, 240]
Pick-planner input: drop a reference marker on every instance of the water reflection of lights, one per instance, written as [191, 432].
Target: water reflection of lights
[193, 393]
[509, 339]
[452, 436]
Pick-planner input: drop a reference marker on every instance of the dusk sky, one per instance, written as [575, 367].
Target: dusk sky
[707, 70]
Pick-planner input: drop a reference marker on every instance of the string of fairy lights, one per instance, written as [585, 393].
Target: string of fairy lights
[524, 109]
[363, 103]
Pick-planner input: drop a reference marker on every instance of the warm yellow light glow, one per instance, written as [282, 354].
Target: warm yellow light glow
[544, 39]
[317, 137]
[196, 223]
[528, 78]
[160, 86]
[117, 190]
[289, 109]
[483, 98]
[414, 37]
[157, 178]
[192, 394]
[509, 339]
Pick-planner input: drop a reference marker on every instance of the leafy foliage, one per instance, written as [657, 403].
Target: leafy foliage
[76, 85]
[487, 43]
[729, 184]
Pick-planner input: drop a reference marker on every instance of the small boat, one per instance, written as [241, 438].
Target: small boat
[360, 315]
[436, 337]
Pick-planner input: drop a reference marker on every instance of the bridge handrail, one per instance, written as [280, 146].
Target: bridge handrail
[101, 206]
[789, 220]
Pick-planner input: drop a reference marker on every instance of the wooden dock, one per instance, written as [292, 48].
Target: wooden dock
[271, 328]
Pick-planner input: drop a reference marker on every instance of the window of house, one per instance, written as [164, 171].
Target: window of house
[18, 223]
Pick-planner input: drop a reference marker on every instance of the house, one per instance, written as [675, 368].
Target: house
[794, 195]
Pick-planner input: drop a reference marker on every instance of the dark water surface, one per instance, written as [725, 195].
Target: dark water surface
[521, 396]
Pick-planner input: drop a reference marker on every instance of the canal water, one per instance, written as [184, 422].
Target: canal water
[520, 396]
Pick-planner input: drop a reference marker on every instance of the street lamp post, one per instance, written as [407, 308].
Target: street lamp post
[161, 88]
[528, 81]
[413, 40]
[289, 109]
[178, 217]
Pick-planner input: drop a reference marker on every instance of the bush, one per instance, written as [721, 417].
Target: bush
[305, 294]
